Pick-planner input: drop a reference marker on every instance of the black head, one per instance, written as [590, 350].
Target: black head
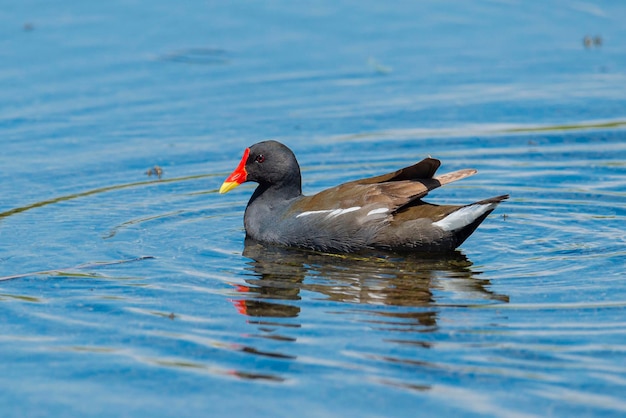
[269, 163]
[272, 163]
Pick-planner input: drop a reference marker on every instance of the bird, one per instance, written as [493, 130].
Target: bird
[385, 212]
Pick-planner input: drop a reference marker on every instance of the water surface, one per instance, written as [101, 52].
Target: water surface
[138, 295]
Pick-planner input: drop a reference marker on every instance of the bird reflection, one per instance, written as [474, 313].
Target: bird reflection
[279, 275]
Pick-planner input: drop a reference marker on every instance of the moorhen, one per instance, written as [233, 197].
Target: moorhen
[382, 212]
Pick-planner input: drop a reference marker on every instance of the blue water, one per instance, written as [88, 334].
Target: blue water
[126, 295]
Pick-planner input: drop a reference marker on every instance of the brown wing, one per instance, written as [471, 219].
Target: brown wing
[425, 169]
[392, 190]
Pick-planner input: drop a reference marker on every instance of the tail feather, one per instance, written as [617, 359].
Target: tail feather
[466, 215]
[462, 234]
[464, 221]
[496, 199]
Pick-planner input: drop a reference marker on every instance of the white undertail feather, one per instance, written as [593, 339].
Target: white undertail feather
[464, 216]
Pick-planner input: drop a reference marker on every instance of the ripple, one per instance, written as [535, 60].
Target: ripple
[71, 273]
[582, 397]
[23, 298]
[202, 56]
[559, 306]
[98, 191]
[479, 130]
[194, 366]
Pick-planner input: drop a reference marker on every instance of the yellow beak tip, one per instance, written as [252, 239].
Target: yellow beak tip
[228, 186]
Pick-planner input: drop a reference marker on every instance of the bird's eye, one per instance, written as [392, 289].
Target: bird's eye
[260, 158]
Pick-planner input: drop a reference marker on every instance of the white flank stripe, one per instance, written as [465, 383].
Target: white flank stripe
[313, 212]
[377, 211]
[463, 217]
[331, 212]
[338, 212]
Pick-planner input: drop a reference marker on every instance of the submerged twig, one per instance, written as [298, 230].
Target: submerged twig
[78, 267]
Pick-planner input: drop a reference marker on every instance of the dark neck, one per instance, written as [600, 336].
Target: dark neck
[277, 193]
